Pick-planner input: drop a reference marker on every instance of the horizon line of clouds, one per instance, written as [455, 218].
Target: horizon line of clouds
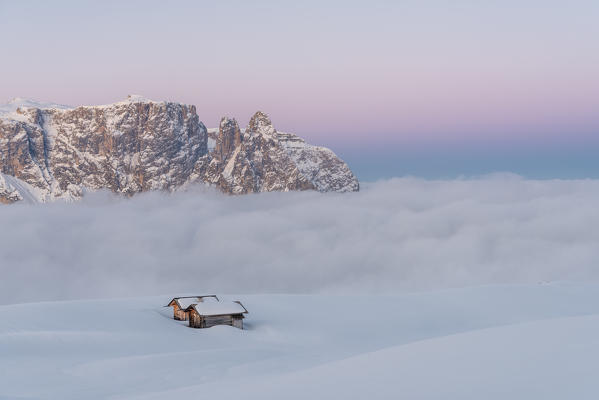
[396, 235]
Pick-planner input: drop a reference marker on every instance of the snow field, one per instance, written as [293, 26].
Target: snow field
[492, 342]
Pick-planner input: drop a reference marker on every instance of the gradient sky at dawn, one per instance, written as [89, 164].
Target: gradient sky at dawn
[429, 88]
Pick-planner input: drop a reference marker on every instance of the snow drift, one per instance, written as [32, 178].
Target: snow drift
[499, 342]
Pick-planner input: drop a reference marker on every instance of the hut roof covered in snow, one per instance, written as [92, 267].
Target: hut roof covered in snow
[185, 302]
[220, 308]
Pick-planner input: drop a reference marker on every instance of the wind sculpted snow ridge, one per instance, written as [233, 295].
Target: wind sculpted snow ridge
[139, 145]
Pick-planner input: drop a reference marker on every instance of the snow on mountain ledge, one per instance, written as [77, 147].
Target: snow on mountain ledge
[138, 144]
[19, 102]
[319, 164]
[8, 193]
[136, 98]
[22, 103]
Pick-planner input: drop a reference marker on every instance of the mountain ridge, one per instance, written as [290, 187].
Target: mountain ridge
[56, 152]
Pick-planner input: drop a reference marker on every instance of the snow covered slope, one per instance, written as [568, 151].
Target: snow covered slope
[9, 110]
[516, 342]
[13, 189]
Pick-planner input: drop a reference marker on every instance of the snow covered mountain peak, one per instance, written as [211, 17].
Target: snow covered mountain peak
[136, 98]
[131, 99]
[22, 103]
[260, 159]
[50, 152]
[260, 124]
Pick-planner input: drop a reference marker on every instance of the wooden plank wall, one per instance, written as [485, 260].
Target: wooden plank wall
[218, 320]
[238, 322]
[196, 321]
[181, 315]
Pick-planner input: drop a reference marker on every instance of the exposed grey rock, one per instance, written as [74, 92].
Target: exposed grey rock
[139, 145]
[229, 137]
[322, 167]
[127, 147]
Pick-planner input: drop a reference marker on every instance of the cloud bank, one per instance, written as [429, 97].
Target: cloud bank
[394, 235]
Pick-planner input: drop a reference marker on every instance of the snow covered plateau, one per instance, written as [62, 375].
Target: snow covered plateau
[501, 342]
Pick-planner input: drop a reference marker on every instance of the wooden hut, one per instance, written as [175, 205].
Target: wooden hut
[205, 315]
[181, 304]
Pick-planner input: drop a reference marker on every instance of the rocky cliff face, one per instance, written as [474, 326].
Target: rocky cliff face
[254, 161]
[53, 152]
[127, 147]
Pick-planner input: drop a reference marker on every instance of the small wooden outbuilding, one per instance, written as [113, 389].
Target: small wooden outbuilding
[181, 304]
[205, 315]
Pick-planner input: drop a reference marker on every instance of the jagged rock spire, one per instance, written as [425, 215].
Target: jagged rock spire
[260, 123]
[229, 137]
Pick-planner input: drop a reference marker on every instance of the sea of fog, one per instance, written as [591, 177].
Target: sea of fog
[393, 236]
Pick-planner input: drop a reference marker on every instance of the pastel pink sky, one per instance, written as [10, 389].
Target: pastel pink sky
[341, 73]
